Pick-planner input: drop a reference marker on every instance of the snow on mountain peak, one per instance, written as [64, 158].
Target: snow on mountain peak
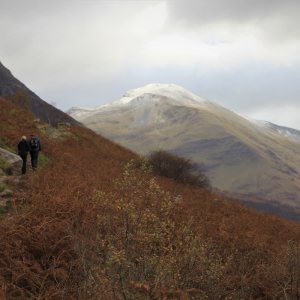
[175, 95]
[167, 90]
[148, 94]
[156, 88]
[149, 88]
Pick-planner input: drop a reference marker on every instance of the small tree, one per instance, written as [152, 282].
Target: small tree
[178, 168]
[143, 253]
[286, 272]
[20, 98]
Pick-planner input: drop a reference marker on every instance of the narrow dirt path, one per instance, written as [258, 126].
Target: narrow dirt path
[15, 179]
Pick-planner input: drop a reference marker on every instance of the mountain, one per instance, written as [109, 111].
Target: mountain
[240, 154]
[54, 243]
[9, 85]
[290, 133]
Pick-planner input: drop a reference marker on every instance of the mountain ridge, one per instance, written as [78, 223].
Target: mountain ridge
[241, 154]
[81, 113]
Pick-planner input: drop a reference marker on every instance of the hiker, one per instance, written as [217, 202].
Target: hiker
[35, 146]
[23, 148]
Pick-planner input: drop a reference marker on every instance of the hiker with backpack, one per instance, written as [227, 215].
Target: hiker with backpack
[23, 148]
[35, 146]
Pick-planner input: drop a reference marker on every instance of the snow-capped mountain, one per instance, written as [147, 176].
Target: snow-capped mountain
[290, 133]
[240, 154]
[146, 95]
[176, 95]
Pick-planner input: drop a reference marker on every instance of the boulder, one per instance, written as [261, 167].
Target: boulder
[178, 199]
[3, 203]
[9, 156]
[3, 178]
[6, 193]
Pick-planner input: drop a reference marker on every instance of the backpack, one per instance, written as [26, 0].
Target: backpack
[34, 143]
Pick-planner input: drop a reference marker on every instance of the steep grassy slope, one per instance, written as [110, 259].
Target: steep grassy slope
[9, 85]
[239, 156]
[38, 249]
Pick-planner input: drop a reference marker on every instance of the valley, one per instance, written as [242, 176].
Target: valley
[240, 154]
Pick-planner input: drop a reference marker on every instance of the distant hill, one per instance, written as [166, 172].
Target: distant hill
[240, 154]
[9, 85]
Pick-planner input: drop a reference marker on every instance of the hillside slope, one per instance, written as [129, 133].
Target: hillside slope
[38, 248]
[9, 85]
[240, 154]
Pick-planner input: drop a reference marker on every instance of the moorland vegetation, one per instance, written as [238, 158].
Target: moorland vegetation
[97, 223]
[20, 99]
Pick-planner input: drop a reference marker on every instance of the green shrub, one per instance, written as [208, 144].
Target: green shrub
[43, 160]
[61, 126]
[4, 209]
[4, 186]
[285, 271]
[146, 255]
[178, 168]
[4, 166]
[3, 145]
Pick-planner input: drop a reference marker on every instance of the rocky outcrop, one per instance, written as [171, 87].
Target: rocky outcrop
[9, 156]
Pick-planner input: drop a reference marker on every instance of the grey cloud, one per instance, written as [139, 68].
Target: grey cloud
[48, 45]
[276, 18]
[39, 27]
[57, 43]
[239, 10]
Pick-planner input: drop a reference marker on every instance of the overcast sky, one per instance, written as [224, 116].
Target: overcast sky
[241, 54]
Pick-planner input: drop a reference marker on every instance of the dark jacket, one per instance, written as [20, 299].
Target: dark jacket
[23, 147]
[39, 148]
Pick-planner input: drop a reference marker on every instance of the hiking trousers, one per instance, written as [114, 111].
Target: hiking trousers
[34, 159]
[24, 158]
